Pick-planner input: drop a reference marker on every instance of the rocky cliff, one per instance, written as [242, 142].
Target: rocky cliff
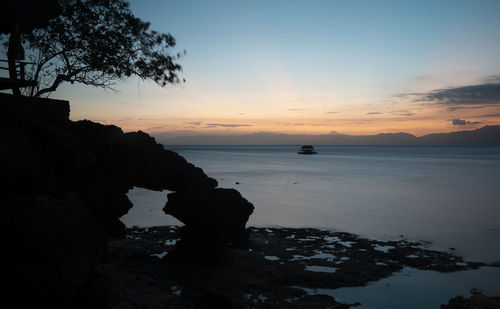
[63, 189]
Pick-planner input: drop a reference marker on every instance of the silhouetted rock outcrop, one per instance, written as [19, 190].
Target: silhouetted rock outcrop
[214, 218]
[63, 189]
[45, 153]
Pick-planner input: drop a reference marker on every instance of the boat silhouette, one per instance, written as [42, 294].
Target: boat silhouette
[307, 149]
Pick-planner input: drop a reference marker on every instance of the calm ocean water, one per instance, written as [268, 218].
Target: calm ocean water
[448, 196]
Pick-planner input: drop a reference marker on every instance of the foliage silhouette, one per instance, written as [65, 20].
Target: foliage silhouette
[97, 43]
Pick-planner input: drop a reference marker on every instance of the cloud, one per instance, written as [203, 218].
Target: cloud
[156, 128]
[455, 108]
[298, 109]
[402, 112]
[374, 113]
[195, 123]
[492, 79]
[488, 116]
[332, 112]
[226, 125]
[462, 122]
[485, 94]
[405, 95]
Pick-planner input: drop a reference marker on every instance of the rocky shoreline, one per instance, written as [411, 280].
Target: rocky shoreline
[64, 187]
[274, 270]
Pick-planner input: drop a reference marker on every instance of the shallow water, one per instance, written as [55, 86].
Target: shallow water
[445, 195]
[147, 210]
[413, 288]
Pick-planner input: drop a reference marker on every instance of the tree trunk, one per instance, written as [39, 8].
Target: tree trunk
[12, 54]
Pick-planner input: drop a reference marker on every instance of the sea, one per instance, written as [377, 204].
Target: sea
[447, 197]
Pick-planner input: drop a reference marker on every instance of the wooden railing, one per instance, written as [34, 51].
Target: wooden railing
[11, 83]
[19, 64]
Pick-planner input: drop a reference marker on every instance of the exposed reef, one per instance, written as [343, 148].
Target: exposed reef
[277, 268]
[476, 301]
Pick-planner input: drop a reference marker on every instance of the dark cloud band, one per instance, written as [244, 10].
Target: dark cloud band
[485, 94]
[226, 125]
[462, 122]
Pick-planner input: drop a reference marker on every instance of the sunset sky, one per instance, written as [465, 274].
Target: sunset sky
[313, 67]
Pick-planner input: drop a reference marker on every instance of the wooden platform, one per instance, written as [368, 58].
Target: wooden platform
[7, 83]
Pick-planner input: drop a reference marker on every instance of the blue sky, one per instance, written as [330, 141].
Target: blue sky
[309, 67]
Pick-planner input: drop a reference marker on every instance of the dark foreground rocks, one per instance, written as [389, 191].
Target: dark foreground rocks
[51, 247]
[278, 268]
[476, 301]
[63, 189]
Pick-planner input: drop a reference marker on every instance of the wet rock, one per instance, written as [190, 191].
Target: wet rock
[476, 301]
[255, 280]
[213, 218]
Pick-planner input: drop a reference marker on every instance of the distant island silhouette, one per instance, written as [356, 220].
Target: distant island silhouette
[485, 136]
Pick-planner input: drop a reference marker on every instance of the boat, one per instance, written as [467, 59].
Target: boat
[307, 149]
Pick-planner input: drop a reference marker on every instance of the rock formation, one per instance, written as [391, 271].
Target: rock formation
[213, 218]
[476, 301]
[63, 189]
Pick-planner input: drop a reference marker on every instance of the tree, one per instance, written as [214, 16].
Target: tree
[97, 43]
[17, 17]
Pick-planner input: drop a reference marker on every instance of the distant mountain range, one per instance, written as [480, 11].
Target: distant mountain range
[485, 136]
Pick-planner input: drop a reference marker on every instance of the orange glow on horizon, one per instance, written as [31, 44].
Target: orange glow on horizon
[418, 126]
[280, 108]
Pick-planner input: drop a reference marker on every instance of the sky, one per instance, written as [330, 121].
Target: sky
[313, 67]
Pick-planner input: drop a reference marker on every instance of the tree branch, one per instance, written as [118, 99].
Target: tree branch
[40, 67]
[59, 79]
